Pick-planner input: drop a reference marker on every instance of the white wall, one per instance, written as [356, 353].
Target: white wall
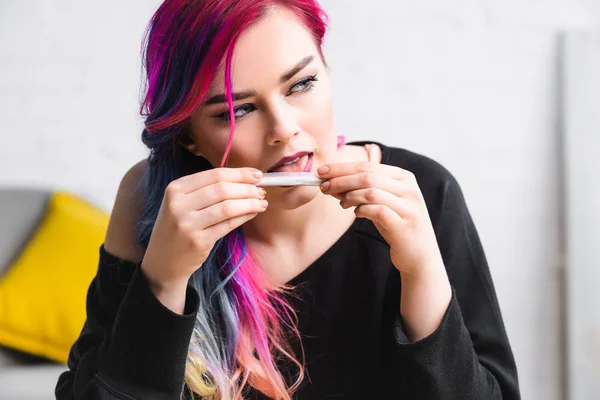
[69, 79]
[470, 83]
[582, 140]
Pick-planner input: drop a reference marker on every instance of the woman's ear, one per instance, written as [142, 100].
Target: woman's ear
[190, 145]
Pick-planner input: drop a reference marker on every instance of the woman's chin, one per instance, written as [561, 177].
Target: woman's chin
[292, 197]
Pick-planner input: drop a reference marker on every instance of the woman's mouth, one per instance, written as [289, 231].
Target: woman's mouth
[302, 162]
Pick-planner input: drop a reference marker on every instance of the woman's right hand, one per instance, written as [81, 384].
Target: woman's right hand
[196, 211]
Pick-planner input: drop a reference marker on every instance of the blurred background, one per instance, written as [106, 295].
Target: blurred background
[504, 94]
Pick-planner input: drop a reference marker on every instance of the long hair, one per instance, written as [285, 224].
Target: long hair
[240, 329]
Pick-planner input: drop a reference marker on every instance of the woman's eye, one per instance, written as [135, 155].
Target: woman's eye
[238, 112]
[304, 85]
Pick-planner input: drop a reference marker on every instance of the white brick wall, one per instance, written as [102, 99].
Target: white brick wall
[470, 83]
[69, 78]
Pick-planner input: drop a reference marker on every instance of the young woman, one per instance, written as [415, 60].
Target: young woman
[373, 286]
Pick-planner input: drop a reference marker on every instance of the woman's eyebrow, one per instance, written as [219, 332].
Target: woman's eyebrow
[220, 98]
[297, 68]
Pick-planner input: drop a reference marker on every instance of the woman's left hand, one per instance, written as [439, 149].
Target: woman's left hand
[391, 198]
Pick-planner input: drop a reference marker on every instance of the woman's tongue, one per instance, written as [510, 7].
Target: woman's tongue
[296, 166]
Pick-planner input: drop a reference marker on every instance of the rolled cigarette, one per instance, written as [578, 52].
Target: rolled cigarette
[289, 179]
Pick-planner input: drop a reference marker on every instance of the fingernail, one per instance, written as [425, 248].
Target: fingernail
[264, 203]
[323, 170]
[257, 174]
[324, 186]
[262, 192]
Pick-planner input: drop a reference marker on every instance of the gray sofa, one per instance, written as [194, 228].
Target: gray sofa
[22, 376]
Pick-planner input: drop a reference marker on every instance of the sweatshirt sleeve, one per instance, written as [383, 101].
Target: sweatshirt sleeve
[469, 355]
[131, 346]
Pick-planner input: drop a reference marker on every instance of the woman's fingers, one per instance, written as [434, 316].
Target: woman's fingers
[334, 170]
[193, 182]
[218, 192]
[380, 214]
[228, 209]
[217, 231]
[376, 196]
[364, 180]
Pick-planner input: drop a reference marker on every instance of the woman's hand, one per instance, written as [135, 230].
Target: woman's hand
[196, 211]
[390, 197]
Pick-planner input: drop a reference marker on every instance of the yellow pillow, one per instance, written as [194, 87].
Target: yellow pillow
[43, 294]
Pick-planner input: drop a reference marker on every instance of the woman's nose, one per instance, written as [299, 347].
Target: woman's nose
[283, 128]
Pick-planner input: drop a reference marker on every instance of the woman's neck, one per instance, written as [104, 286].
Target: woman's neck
[297, 225]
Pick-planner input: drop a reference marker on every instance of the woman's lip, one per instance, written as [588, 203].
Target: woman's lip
[302, 165]
[288, 159]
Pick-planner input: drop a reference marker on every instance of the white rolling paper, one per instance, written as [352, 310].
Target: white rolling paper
[289, 179]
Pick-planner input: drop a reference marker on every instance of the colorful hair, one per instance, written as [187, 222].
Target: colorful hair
[241, 325]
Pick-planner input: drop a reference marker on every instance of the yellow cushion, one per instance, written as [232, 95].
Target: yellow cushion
[43, 295]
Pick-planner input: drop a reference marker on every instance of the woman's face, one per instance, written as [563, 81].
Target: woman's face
[282, 106]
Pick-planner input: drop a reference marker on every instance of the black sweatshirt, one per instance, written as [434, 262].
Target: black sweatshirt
[348, 304]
